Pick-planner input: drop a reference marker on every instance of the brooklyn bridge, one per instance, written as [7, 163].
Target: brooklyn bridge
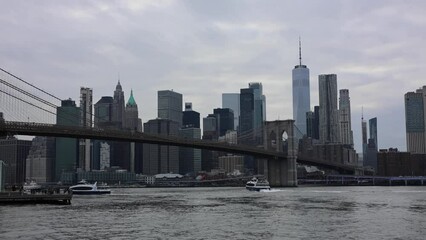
[21, 99]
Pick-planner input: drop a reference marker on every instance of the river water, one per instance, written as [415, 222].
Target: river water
[226, 213]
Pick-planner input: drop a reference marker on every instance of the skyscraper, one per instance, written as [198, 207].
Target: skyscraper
[328, 113]
[373, 130]
[232, 101]
[259, 113]
[103, 112]
[118, 106]
[415, 120]
[170, 106]
[131, 115]
[132, 122]
[86, 107]
[372, 147]
[14, 153]
[301, 94]
[189, 158]
[364, 139]
[41, 159]
[224, 120]
[103, 119]
[161, 158]
[191, 118]
[346, 134]
[68, 114]
[246, 124]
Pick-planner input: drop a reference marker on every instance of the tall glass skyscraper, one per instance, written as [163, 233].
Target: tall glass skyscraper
[68, 114]
[170, 106]
[301, 94]
[346, 135]
[329, 118]
[232, 101]
[415, 120]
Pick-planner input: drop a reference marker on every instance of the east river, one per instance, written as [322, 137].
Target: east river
[226, 213]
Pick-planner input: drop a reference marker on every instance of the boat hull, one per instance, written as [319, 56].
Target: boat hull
[98, 192]
[257, 189]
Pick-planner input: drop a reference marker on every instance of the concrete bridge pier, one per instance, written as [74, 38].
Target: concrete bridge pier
[279, 136]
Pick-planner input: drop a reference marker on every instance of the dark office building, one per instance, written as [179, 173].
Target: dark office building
[191, 118]
[68, 114]
[103, 112]
[225, 120]
[245, 134]
[13, 153]
[160, 158]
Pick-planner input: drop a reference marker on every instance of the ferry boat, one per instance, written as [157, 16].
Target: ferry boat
[257, 184]
[86, 188]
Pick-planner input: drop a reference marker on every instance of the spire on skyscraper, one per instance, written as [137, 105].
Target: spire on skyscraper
[131, 101]
[300, 52]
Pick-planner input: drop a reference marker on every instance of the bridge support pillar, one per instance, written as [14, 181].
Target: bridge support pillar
[281, 172]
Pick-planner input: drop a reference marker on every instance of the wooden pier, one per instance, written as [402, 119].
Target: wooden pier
[37, 198]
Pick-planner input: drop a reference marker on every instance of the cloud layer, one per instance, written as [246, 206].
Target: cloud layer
[204, 48]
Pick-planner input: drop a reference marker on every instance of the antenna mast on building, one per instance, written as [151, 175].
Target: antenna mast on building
[300, 52]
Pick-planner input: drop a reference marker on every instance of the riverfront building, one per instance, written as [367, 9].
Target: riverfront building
[2, 175]
[415, 120]
[391, 162]
[41, 159]
[301, 94]
[14, 152]
[232, 101]
[328, 112]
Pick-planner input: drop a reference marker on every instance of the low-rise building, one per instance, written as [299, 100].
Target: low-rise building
[391, 162]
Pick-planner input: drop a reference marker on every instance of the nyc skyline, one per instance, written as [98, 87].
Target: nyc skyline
[204, 49]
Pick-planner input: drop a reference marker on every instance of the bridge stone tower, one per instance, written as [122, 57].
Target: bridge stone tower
[279, 136]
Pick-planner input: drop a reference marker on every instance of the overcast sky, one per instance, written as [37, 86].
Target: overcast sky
[205, 48]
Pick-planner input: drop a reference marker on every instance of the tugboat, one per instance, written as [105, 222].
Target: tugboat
[86, 188]
[257, 184]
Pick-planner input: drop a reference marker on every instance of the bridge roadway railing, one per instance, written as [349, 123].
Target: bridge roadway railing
[42, 129]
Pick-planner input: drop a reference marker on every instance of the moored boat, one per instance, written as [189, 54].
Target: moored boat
[31, 186]
[256, 184]
[86, 188]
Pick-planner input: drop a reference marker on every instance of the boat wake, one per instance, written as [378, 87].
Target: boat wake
[271, 190]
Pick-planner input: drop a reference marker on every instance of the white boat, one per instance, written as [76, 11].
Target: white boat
[256, 184]
[84, 187]
[31, 186]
